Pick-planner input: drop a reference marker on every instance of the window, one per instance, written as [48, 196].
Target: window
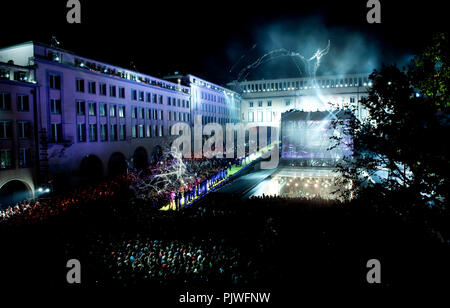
[161, 115]
[5, 129]
[112, 111]
[160, 130]
[269, 116]
[122, 131]
[168, 100]
[141, 96]
[80, 85]
[155, 98]
[103, 132]
[134, 131]
[134, 113]
[122, 92]
[269, 103]
[92, 132]
[113, 132]
[141, 113]
[288, 102]
[260, 104]
[352, 99]
[55, 82]
[251, 116]
[24, 158]
[20, 76]
[250, 104]
[23, 103]
[260, 116]
[5, 101]
[23, 129]
[56, 132]
[187, 104]
[102, 89]
[112, 91]
[141, 131]
[102, 110]
[92, 109]
[148, 97]
[81, 132]
[134, 95]
[121, 111]
[161, 99]
[81, 108]
[5, 159]
[148, 131]
[55, 106]
[91, 87]
[149, 114]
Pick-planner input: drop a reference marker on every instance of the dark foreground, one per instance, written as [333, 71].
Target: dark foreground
[286, 247]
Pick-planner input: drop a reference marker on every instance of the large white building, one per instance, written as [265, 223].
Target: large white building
[263, 101]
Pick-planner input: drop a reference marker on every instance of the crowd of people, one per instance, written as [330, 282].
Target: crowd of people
[171, 180]
[30, 211]
[138, 260]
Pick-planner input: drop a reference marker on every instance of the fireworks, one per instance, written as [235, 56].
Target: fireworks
[311, 64]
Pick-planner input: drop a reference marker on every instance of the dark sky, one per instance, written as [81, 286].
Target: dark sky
[208, 38]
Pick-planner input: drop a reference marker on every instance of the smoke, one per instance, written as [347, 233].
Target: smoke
[351, 50]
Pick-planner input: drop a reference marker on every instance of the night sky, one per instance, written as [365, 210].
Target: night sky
[207, 38]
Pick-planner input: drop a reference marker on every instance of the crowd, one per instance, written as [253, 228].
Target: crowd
[178, 181]
[138, 260]
[171, 180]
[41, 209]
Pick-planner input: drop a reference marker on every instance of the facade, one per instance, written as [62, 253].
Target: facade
[18, 145]
[90, 118]
[264, 101]
[215, 104]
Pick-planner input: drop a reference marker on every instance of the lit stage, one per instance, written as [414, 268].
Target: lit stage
[298, 183]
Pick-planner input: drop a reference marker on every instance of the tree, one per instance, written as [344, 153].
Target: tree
[400, 150]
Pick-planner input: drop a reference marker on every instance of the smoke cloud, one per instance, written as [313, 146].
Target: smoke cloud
[351, 51]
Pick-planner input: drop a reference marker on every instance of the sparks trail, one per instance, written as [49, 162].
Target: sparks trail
[311, 64]
[242, 57]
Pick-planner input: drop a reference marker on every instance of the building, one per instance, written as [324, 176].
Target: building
[263, 101]
[86, 119]
[214, 103]
[18, 131]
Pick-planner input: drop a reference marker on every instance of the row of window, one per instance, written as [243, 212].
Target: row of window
[18, 75]
[114, 132]
[260, 104]
[102, 88]
[7, 162]
[114, 91]
[307, 84]
[212, 97]
[270, 116]
[23, 102]
[23, 129]
[119, 110]
[101, 132]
